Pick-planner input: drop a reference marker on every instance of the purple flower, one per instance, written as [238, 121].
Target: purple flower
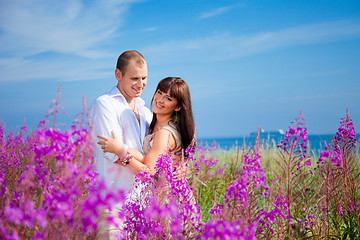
[213, 146]
[216, 211]
[223, 229]
[342, 143]
[341, 211]
[296, 139]
[220, 171]
[14, 215]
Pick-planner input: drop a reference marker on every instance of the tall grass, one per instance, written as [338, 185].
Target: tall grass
[49, 189]
[305, 196]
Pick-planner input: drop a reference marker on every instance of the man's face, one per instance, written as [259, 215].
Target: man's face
[132, 83]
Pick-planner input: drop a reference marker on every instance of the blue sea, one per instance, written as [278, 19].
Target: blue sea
[317, 142]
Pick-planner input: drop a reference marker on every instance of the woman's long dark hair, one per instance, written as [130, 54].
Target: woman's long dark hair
[178, 88]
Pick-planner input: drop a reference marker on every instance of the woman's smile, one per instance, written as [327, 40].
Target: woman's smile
[158, 105]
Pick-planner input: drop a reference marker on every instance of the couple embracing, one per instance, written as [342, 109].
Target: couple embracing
[131, 137]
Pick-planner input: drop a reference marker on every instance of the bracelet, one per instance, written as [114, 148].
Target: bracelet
[126, 160]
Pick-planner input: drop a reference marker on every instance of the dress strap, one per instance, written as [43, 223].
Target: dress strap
[174, 132]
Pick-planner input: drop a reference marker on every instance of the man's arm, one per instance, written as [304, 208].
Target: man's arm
[105, 121]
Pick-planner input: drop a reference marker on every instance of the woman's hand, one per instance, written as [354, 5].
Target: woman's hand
[112, 145]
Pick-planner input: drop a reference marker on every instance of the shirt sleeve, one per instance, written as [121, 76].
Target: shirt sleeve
[105, 121]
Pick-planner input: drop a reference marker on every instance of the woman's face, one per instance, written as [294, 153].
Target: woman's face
[164, 104]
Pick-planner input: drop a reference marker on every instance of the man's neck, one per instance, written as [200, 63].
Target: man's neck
[127, 98]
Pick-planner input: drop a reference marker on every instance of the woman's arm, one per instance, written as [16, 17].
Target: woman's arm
[163, 141]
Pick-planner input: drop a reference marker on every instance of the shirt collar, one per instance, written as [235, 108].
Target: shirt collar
[115, 92]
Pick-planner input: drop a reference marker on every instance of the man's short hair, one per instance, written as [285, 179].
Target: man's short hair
[125, 57]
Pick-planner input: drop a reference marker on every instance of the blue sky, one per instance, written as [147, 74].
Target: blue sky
[248, 63]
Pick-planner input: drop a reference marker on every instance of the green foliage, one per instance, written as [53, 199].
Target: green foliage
[217, 170]
[315, 194]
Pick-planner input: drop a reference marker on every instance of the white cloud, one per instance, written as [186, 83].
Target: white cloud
[226, 47]
[18, 70]
[218, 11]
[69, 26]
[74, 31]
[151, 29]
[311, 98]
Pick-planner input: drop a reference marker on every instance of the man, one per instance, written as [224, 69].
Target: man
[123, 111]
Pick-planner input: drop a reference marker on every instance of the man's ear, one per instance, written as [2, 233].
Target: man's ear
[118, 74]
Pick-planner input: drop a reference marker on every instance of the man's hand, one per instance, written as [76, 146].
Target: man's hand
[112, 145]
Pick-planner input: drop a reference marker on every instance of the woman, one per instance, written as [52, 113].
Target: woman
[172, 129]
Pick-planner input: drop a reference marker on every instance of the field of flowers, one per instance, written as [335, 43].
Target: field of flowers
[282, 192]
[49, 190]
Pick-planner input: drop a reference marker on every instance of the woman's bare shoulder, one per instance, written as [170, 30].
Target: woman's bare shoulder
[164, 137]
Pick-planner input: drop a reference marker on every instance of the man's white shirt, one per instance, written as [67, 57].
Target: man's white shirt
[110, 112]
